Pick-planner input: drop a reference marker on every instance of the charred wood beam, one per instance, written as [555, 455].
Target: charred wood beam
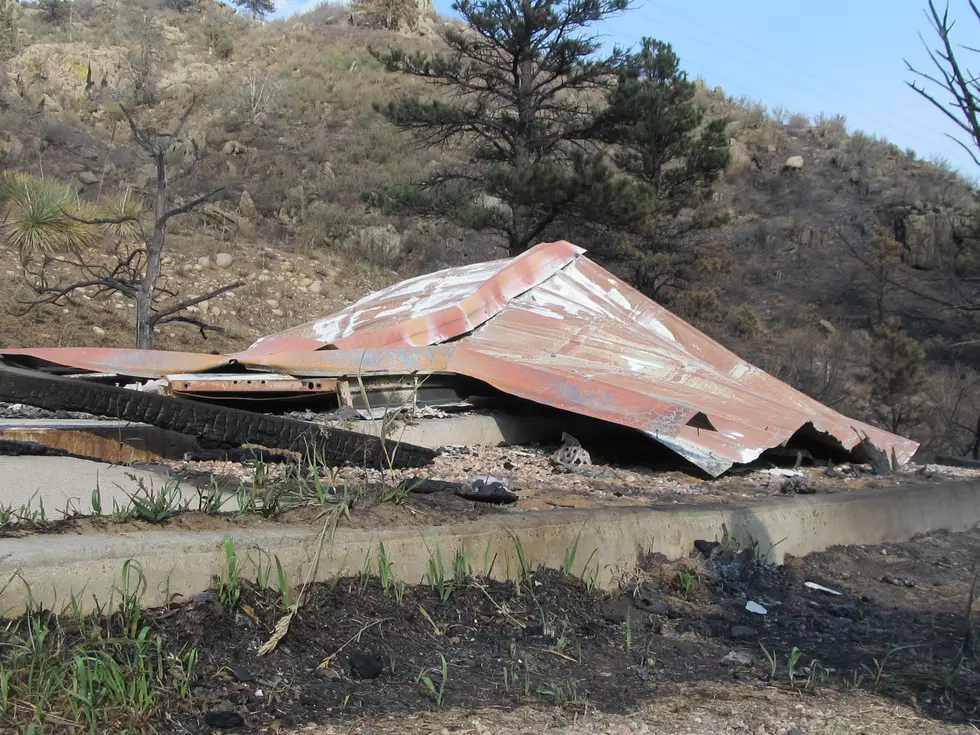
[482, 491]
[221, 426]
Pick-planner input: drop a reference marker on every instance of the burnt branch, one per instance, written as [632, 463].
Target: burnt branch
[150, 140]
[202, 325]
[190, 206]
[163, 314]
[950, 77]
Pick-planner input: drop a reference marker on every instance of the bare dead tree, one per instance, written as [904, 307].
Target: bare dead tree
[960, 84]
[133, 269]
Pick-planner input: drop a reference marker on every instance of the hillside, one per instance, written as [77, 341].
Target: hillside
[286, 122]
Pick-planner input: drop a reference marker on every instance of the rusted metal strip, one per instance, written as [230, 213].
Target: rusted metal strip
[266, 383]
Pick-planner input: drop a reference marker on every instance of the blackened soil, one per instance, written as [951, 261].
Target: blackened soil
[896, 628]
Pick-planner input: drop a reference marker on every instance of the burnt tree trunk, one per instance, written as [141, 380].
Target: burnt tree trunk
[154, 255]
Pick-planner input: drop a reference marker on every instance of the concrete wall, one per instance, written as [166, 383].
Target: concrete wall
[472, 430]
[609, 540]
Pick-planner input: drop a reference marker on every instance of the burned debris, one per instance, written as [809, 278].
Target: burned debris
[548, 332]
[221, 426]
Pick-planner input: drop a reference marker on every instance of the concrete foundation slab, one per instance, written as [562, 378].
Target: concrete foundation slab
[51, 569]
[475, 430]
[66, 483]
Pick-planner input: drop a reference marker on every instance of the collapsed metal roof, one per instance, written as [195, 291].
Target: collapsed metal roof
[549, 326]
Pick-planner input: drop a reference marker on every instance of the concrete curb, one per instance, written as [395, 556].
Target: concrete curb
[55, 568]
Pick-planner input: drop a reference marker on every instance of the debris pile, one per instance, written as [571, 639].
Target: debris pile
[548, 332]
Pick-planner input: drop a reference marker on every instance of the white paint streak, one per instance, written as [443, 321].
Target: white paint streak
[658, 328]
[642, 366]
[740, 371]
[617, 298]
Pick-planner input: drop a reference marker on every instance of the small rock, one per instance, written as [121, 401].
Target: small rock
[87, 177]
[316, 286]
[898, 581]
[204, 262]
[234, 148]
[246, 207]
[278, 313]
[828, 328]
[794, 163]
[366, 664]
[651, 604]
[223, 719]
[223, 260]
[705, 548]
[737, 658]
[742, 632]
[99, 331]
[796, 485]
[50, 104]
[680, 608]
[240, 673]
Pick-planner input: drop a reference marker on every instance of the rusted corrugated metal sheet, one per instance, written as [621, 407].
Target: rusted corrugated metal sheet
[429, 309]
[553, 327]
[136, 363]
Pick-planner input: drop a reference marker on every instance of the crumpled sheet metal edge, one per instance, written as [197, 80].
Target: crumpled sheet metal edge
[123, 361]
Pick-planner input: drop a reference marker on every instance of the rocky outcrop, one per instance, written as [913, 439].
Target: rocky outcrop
[926, 232]
[384, 241]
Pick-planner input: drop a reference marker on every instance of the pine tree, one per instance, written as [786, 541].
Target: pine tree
[258, 9]
[662, 139]
[898, 376]
[653, 118]
[524, 86]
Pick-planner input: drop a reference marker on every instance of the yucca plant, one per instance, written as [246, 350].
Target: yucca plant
[119, 217]
[40, 215]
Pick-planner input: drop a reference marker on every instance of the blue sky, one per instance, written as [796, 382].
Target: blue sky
[832, 57]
